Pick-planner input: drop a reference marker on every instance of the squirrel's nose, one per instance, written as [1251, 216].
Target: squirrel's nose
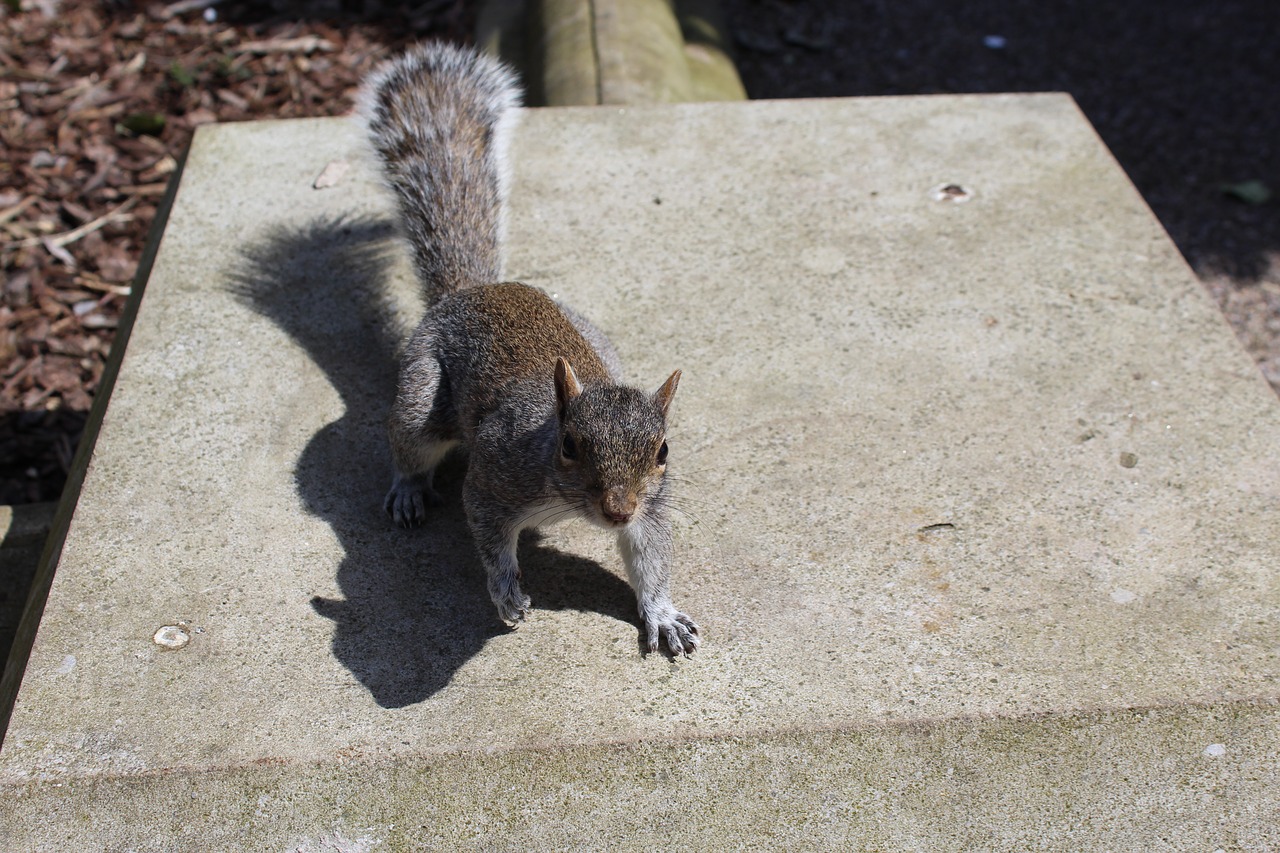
[618, 506]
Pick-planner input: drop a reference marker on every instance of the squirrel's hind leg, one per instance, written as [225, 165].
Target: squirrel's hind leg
[422, 430]
[411, 493]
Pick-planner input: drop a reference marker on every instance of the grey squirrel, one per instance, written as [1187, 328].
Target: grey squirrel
[528, 386]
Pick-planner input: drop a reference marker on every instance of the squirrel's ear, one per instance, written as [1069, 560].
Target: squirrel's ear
[567, 385]
[662, 397]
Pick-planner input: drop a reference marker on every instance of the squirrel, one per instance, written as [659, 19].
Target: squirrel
[525, 384]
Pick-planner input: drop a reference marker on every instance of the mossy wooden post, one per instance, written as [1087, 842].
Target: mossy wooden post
[503, 30]
[563, 39]
[582, 52]
[640, 53]
[708, 52]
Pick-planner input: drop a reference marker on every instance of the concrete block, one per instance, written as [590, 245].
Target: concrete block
[980, 513]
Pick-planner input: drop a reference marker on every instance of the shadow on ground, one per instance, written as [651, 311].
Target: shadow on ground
[394, 21]
[414, 608]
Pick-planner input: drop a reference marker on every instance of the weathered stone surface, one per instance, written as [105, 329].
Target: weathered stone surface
[981, 504]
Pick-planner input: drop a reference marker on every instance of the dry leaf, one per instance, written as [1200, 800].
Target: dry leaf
[331, 174]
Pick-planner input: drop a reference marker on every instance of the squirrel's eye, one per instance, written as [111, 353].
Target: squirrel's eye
[662, 454]
[569, 449]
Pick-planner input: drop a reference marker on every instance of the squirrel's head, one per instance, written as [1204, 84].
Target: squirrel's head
[612, 444]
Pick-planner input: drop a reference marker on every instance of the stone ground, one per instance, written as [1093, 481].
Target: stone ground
[98, 100]
[978, 566]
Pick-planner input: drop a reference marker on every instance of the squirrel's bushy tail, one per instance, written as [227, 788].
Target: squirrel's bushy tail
[439, 117]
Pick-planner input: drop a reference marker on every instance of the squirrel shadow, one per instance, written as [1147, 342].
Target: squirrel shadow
[415, 607]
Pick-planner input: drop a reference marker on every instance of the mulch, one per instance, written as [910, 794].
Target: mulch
[97, 103]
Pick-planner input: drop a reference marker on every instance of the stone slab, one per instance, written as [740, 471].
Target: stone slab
[980, 499]
[1182, 778]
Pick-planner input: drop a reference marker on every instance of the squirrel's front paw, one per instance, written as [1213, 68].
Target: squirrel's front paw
[511, 602]
[678, 631]
[407, 502]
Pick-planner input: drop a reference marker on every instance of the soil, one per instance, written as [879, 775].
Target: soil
[99, 99]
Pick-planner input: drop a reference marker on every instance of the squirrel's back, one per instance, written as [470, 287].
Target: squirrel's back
[439, 117]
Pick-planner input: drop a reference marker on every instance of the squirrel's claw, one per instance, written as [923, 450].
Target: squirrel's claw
[678, 631]
[512, 604]
[406, 504]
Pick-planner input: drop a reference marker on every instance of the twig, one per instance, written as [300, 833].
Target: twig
[173, 10]
[89, 283]
[12, 212]
[303, 44]
[68, 237]
[58, 252]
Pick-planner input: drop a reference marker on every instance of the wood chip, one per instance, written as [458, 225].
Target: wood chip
[146, 189]
[13, 212]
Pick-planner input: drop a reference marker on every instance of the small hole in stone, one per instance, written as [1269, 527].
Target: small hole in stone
[951, 192]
